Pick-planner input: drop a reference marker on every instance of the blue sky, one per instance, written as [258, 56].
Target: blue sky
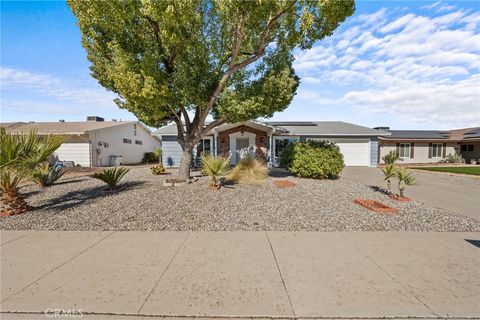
[407, 65]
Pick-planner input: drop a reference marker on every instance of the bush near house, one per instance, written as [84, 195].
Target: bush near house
[249, 171]
[313, 159]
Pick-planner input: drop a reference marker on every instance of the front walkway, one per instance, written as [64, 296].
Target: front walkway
[459, 195]
[235, 274]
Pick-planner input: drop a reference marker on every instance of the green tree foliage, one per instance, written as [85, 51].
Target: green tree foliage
[184, 60]
[313, 159]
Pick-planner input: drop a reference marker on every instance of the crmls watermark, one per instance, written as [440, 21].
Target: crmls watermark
[63, 313]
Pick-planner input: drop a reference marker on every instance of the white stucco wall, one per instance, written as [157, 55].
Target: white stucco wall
[132, 153]
[420, 151]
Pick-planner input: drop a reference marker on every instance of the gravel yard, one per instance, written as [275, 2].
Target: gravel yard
[79, 203]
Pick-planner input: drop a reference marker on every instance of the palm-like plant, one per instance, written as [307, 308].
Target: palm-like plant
[111, 176]
[404, 179]
[20, 155]
[215, 167]
[389, 172]
[391, 157]
[45, 175]
[158, 154]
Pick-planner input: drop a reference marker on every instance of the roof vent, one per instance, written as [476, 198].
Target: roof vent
[382, 128]
[61, 120]
[95, 118]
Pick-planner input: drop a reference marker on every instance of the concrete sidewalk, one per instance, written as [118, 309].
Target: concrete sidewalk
[240, 274]
[433, 188]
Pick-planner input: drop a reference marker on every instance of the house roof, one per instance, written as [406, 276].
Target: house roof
[325, 128]
[61, 127]
[417, 134]
[317, 128]
[474, 134]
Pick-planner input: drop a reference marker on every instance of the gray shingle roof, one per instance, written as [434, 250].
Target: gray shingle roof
[325, 128]
[318, 128]
[418, 134]
[62, 127]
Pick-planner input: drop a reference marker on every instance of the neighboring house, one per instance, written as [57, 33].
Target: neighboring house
[95, 142]
[267, 140]
[418, 146]
[469, 141]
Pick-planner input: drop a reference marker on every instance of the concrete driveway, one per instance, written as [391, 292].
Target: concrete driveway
[461, 196]
[289, 275]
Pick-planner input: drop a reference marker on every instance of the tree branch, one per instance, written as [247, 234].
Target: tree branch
[212, 125]
[235, 67]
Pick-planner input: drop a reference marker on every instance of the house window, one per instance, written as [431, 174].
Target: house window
[437, 150]
[466, 148]
[135, 130]
[139, 142]
[404, 150]
[129, 141]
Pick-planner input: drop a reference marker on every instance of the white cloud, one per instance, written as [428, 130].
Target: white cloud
[418, 68]
[67, 90]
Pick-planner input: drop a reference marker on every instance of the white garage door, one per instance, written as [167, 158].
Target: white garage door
[355, 153]
[79, 153]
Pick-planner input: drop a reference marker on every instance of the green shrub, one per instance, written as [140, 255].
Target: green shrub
[313, 159]
[45, 175]
[158, 169]
[111, 176]
[249, 171]
[215, 167]
[149, 157]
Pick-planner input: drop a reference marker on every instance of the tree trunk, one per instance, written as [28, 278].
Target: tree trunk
[13, 203]
[185, 164]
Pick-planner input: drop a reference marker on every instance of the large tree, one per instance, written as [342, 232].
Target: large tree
[184, 60]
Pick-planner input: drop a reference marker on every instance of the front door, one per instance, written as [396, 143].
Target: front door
[242, 145]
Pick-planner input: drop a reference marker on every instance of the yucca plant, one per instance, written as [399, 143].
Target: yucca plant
[20, 155]
[158, 155]
[45, 175]
[111, 176]
[404, 179]
[249, 171]
[391, 157]
[215, 167]
[389, 172]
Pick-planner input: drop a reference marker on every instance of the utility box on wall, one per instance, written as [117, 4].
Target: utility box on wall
[116, 160]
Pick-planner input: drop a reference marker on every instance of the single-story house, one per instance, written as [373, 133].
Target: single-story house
[266, 140]
[430, 146]
[95, 142]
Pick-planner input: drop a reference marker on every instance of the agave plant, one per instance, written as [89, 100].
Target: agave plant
[20, 155]
[215, 167]
[404, 179]
[389, 172]
[111, 176]
[45, 175]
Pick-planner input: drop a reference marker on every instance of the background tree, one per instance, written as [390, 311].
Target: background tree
[184, 60]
